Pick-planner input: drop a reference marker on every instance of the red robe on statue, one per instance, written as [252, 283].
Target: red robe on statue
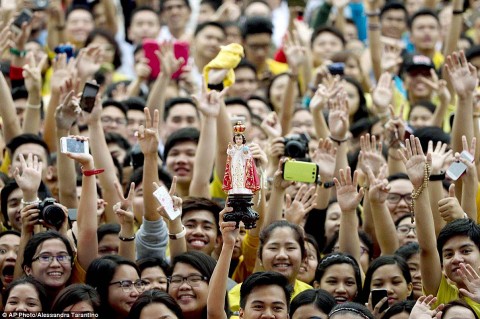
[252, 181]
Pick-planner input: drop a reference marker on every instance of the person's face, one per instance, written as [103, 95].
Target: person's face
[233, 34]
[364, 255]
[282, 253]
[265, 302]
[390, 277]
[339, 281]
[259, 108]
[425, 32]
[257, 48]
[206, 11]
[108, 245]
[107, 53]
[8, 256]
[420, 117]
[350, 32]
[157, 310]
[54, 274]
[324, 46]
[459, 249]
[402, 187]
[180, 161]
[37, 50]
[121, 299]
[415, 86]
[277, 90]
[402, 315]
[393, 23]
[332, 221]
[144, 25]
[458, 312]
[406, 231]
[245, 83]
[20, 107]
[207, 42]
[155, 278]
[309, 311]
[176, 14]
[14, 206]
[258, 9]
[352, 98]
[36, 150]
[352, 69]
[114, 120]
[309, 265]
[302, 121]
[117, 152]
[201, 231]
[237, 249]
[23, 298]
[82, 306]
[192, 300]
[180, 116]
[413, 6]
[238, 140]
[414, 267]
[135, 118]
[78, 25]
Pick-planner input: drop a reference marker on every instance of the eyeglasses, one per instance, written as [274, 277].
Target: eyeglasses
[118, 121]
[192, 280]
[395, 198]
[127, 285]
[47, 259]
[405, 229]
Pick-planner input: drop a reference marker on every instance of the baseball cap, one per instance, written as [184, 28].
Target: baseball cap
[417, 61]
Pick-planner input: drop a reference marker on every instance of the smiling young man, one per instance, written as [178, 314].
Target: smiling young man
[265, 295]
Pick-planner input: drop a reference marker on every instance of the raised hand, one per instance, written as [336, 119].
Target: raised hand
[94, 116]
[276, 148]
[61, 73]
[278, 181]
[169, 63]
[438, 86]
[29, 216]
[177, 201]
[423, 310]
[32, 73]
[462, 74]
[338, 121]
[66, 113]
[31, 175]
[5, 37]
[370, 154]
[382, 94]
[271, 125]
[294, 52]
[471, 280]
[449, 207]
[395, 129]
[148, 136]
[325, 157]
[439, 156]
[304, 201]
[123, 209]
[228, 229]
[347, 195]
[120, 93]
[325, 91]
[391, 58]
[209, 103]
[303, 31]
[88, 61]
[415, 161]
[259, 155]
[471, 173]
[379, 187]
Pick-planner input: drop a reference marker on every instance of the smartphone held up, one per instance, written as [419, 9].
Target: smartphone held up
[89, 95]
[72, 145]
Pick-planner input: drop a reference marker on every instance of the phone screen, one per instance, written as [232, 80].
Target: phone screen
[75, 146]
[89, 96]
[457, 169]
[25, 16]
[377, 295]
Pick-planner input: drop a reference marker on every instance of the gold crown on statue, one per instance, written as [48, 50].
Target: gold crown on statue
[239, 128]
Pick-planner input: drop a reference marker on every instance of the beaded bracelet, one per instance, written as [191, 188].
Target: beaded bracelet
[416, 193]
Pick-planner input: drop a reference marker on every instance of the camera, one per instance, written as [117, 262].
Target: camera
[40, 4]
[296, 146]
[51, 213]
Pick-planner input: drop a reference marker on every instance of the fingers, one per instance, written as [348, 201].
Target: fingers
[119, 190]
[451, 190]
[173, 187]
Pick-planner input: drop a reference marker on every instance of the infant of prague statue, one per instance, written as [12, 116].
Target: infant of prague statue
[241, 180]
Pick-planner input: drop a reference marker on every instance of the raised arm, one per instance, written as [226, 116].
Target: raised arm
[276, 202]
[324, 92]
[218, 282]
[440, 88]
[348, 198]
[325, 158]
[10, 122]
[87, 243]
[418, 169]
[32, 73]
[110, 13]
[456, 24]
[209, 105]
[372, 10]
[395, 132]
[125, 217]
[338, 123]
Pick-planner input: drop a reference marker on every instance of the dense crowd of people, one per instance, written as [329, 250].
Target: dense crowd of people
[130, 129]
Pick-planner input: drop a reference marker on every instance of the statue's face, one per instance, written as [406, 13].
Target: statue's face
[238, 140]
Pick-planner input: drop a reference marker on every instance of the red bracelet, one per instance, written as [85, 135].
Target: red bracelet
[92, 172]
[16, 73]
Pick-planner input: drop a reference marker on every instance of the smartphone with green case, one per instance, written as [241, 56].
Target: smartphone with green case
[298, 171]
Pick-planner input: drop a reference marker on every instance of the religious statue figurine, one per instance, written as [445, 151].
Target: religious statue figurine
[241, 180]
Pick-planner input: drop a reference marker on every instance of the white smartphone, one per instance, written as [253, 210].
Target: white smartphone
[72, 145]
[164, 198]
[456, 169]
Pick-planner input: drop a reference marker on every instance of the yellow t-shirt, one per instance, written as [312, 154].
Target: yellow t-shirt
[234, 295]
[448, 292]
[246, 263]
